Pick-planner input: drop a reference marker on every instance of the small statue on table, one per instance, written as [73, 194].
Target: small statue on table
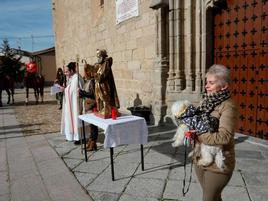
[105, 89]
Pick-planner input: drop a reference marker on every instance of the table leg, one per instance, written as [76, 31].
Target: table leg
[112, 161]
[142, 159]
[85, 143]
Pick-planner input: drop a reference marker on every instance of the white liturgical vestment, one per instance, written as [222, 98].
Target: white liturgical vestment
[71, 109]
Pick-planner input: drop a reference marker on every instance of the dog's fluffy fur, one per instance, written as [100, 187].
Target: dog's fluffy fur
[207, 153]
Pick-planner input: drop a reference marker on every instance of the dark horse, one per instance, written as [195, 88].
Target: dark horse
[7, 84]
[32, 80]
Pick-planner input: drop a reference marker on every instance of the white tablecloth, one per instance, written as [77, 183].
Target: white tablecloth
[126, 129]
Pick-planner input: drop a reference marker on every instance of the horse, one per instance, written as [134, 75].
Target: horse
[7, 84]
[37, 82]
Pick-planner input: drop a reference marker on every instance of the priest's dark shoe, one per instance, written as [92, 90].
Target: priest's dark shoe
[77, 142]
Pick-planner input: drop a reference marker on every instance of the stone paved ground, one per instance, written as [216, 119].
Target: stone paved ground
[43, 118]
[30, 169]
[161, 180]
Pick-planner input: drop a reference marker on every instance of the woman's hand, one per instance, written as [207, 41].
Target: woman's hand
[191, 134]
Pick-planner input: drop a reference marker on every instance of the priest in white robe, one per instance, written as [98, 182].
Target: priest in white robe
[72, 105]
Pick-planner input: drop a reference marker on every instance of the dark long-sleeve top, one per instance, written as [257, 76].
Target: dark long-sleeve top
[89, 91]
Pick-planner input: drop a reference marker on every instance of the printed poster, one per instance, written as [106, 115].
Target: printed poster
[126, 9]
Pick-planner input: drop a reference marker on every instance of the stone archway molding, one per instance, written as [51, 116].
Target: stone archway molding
[156, 4]
[214, 3]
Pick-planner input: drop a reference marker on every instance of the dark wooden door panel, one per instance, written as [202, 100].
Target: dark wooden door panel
[241, 44]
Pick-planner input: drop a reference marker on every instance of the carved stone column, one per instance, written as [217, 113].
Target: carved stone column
[198, 48]
[171, 72]
[189, 45]
[161, 62]
[177, 40]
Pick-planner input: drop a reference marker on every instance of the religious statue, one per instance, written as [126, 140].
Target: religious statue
[105, 90]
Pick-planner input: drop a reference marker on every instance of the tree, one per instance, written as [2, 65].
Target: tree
[10, 63]
[6, 50]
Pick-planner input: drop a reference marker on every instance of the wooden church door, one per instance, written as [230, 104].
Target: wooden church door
[241, 44]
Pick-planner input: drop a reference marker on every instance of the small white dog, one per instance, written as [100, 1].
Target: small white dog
[180, 112]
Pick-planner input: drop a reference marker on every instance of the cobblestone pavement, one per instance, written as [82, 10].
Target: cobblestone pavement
[43, 118]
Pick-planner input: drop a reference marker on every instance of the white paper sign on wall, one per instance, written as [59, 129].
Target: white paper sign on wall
[126, 9]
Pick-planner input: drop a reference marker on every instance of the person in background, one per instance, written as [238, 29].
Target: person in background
[217, 103]
[72, 106]
[31, 68]
[89, 102]
[60, 79]
[31, 73]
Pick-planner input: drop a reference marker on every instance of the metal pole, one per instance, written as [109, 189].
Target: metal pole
[112, 161]
[78, 101]
[84, 137]
[77, 66]
[142, 159]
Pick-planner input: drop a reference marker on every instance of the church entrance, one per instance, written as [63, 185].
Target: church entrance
[241, 44]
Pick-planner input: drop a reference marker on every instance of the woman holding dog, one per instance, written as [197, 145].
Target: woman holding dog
[218, 103]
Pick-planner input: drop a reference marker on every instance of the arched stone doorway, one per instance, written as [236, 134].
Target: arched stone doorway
[185, 38]
[230, 32]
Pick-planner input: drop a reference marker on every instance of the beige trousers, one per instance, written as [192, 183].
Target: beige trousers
[212, 183]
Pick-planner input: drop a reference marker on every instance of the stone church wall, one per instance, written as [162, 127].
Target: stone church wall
[83, 26]
[160, 56]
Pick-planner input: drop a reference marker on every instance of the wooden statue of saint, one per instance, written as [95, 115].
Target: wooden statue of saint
[105, 89]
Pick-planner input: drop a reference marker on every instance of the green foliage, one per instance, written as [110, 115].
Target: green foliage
[6, 50]
[10, 63]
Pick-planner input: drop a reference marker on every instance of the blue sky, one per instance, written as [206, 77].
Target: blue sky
[27, 23]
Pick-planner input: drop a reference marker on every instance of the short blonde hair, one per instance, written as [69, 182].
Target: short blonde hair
[221, 72]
